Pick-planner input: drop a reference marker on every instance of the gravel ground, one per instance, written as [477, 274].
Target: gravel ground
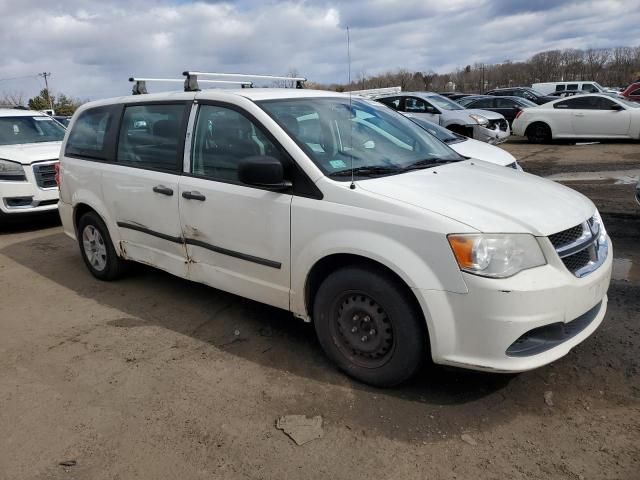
[154, 377]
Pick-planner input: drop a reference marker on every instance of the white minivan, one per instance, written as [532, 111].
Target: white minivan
[345, 213]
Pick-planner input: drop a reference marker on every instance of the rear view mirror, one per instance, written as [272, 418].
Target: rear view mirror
[264, 172]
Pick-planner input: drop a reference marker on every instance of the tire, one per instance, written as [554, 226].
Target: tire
[97, 249]
[369, 326]
[539, 133]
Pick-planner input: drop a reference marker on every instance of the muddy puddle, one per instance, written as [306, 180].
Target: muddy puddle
[626, 269]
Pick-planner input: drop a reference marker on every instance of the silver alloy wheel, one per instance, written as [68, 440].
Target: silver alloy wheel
[94, 248]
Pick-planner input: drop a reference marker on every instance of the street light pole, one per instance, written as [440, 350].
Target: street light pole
[46, 82]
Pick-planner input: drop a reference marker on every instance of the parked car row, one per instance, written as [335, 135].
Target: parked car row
[483, 125]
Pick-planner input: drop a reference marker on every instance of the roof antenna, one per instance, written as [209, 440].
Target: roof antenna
[353, 185]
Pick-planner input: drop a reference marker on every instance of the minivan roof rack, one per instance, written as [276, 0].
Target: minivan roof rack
[191, 82]
[140, 86]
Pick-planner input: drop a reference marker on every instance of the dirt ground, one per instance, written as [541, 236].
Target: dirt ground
[153, 377]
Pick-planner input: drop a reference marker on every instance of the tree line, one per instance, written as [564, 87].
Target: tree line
[611, 67]
[62, 104]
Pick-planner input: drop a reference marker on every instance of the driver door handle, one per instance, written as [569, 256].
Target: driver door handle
[163, 190]
[578, 114]
[194, 196]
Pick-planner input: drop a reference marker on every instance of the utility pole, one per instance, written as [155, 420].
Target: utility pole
[45, 75]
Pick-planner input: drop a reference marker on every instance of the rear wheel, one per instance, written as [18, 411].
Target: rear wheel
[97, 249]
[369, 326]
[539, 133]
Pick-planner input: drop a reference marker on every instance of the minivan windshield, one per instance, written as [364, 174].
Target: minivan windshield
[339, 133]
[26, 129]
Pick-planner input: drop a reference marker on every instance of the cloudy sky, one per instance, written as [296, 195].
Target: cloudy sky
[91, 47]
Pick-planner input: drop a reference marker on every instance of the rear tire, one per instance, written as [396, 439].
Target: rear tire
[369, 326]
[97, 249]
[539, 133]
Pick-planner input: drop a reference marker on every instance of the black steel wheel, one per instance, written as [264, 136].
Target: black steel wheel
[370, 326]
[362, 329]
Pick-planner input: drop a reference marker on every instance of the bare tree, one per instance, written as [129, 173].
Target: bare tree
[12, 98]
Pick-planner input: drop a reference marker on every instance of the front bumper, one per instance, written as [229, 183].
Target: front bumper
[492, 136]
[25, 197]
[476, 329]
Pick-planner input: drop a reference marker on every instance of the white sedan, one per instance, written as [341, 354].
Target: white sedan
[583, 116]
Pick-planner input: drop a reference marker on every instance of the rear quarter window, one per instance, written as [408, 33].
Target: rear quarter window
[91, 132]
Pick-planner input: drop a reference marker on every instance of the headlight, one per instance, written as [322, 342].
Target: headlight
[480, 119]
[496, 255]
[11, 171]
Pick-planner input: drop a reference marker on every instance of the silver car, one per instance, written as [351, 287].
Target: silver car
[483, 125]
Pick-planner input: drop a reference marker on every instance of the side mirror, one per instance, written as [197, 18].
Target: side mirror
[263, 172]
[432, 110]
[617, 107]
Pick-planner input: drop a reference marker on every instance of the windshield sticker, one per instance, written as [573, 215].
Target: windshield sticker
[316, 147]
[337, 163]
[16, 129]
[42, 119]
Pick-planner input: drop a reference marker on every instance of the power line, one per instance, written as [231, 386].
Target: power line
[18, 78]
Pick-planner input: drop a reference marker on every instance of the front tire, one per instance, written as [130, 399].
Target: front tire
[370, 326]
[539, 133]
[97, 249]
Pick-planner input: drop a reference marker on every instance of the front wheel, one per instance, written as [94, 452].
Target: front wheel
[369, 326]
[97, 249]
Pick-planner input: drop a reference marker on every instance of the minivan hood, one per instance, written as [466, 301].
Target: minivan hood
[487, 197]
[28, 153]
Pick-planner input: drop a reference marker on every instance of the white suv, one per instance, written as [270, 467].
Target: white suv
[29, 150]
[422, 254]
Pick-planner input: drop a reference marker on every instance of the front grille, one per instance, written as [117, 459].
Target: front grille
[581, 248]
[577, 261]
[501, 123]
[566, 237]
[45, 174]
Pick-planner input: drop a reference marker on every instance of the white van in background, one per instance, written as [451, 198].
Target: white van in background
[586, 86]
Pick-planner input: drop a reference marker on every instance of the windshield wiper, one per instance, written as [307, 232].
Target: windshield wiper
[366, 171]
[428, 163]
